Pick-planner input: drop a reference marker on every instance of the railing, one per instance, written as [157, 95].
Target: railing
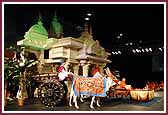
[44, 76]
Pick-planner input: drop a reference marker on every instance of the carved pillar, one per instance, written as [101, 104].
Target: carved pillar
[76, 70]
[41, 57]
[85, 70]
[39, 68]
[54, 68]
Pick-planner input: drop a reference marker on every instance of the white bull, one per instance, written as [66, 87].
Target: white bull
[109, 83]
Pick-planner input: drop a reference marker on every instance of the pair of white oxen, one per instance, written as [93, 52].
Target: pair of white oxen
[109, 83]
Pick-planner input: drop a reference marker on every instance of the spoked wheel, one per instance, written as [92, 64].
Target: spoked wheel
[51, 92]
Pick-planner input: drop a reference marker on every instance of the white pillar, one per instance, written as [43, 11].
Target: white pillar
[76, 70]
[85, 70]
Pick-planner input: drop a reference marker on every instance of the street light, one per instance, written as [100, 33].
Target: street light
[87, 19]
[143, 50]
[113, 52]
[160, 49]
[121, 34]
[150, 49]
[146, 49]
[89, 14]
[119, 52]
[118, 37]
[134, 51]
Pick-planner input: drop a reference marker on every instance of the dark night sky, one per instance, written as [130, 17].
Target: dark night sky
[135, 22]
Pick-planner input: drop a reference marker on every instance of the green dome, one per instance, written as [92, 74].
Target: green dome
[55, 28]
[38, 28]
[36, 37]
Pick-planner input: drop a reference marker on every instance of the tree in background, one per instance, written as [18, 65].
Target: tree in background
[17, 68]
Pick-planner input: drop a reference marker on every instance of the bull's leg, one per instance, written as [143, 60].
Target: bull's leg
[91, 104]
[76, 104]
[71, 95]
[97, 102]
[73, 99]
[70, 100]
[81, 98]
[70, 103]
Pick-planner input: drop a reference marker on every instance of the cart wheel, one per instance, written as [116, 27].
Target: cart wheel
[51, 92]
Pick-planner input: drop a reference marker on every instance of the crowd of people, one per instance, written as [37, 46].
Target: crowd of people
[154, 85]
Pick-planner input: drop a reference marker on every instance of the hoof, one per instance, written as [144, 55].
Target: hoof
[81, 100]
[77, 107]
[70, 105]
[91, 107]
[98, 105]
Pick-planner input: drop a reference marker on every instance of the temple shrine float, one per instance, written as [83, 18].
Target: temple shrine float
[83, 54]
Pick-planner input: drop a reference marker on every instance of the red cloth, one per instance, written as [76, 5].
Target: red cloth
[69, 77]
[95, 70]
[116, 81]
[61, 68]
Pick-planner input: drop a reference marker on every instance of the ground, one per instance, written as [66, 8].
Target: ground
[119, 104]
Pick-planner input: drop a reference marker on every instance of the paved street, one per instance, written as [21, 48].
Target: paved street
[120, 104]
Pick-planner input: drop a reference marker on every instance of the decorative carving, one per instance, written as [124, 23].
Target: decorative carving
[94, 48]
